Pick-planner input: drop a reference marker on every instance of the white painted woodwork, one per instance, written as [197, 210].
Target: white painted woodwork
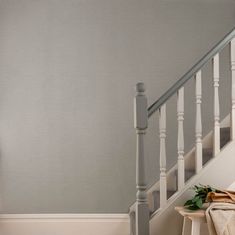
[64, 224]
[232, 53]
[216, 136]
[198, 125]
[196, 224]
[187, 223]
[162, 135]
[180, 140]
[141, 123]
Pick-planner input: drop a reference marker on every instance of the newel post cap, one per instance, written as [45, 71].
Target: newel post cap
[140, 87]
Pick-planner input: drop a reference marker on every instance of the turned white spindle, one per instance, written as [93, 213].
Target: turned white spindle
[141, 124]
[198, 125]
[162, 135]
[180, 141]
[232, 53]
[216, 137]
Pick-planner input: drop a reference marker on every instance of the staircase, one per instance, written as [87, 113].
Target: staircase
[152, 202]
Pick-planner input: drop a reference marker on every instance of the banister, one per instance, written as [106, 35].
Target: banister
[191, 72]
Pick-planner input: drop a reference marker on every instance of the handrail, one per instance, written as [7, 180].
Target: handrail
[187, 76]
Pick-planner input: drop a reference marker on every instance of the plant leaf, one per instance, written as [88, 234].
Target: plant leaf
[200, 196]
[199, 203]
[187, 203]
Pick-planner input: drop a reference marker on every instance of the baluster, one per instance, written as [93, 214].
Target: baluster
[232, 53]
[162, 132]
[180, 143]
[198, 126]
[216, 137]
[141, 124]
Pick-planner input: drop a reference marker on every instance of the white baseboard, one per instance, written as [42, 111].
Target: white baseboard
[64, 224]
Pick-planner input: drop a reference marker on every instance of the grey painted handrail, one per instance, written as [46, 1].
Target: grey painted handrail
[187, 76]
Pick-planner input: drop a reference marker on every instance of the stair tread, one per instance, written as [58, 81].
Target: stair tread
[169, 192]
[224, 129]
[188, 174]
[156, 193]
[207, 154]
[224, 136]
[156, 198]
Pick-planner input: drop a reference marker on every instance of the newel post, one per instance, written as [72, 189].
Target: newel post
[141, 124]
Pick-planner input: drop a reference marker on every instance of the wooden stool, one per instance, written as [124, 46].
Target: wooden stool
[197, 217]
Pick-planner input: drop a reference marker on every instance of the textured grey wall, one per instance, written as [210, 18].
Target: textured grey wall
[67, 71]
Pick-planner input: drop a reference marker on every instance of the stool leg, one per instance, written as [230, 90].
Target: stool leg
[195, 226]
[186, 225]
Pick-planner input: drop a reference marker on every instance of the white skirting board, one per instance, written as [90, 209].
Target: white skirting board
[64, 224]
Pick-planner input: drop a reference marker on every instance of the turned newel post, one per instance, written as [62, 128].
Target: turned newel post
[141, 124]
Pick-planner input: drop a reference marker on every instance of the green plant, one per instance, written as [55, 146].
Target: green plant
[200, 197]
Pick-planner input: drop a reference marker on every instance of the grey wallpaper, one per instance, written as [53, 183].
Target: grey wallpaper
[67, 73]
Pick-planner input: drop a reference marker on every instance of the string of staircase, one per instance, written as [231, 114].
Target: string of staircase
[140, 213]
